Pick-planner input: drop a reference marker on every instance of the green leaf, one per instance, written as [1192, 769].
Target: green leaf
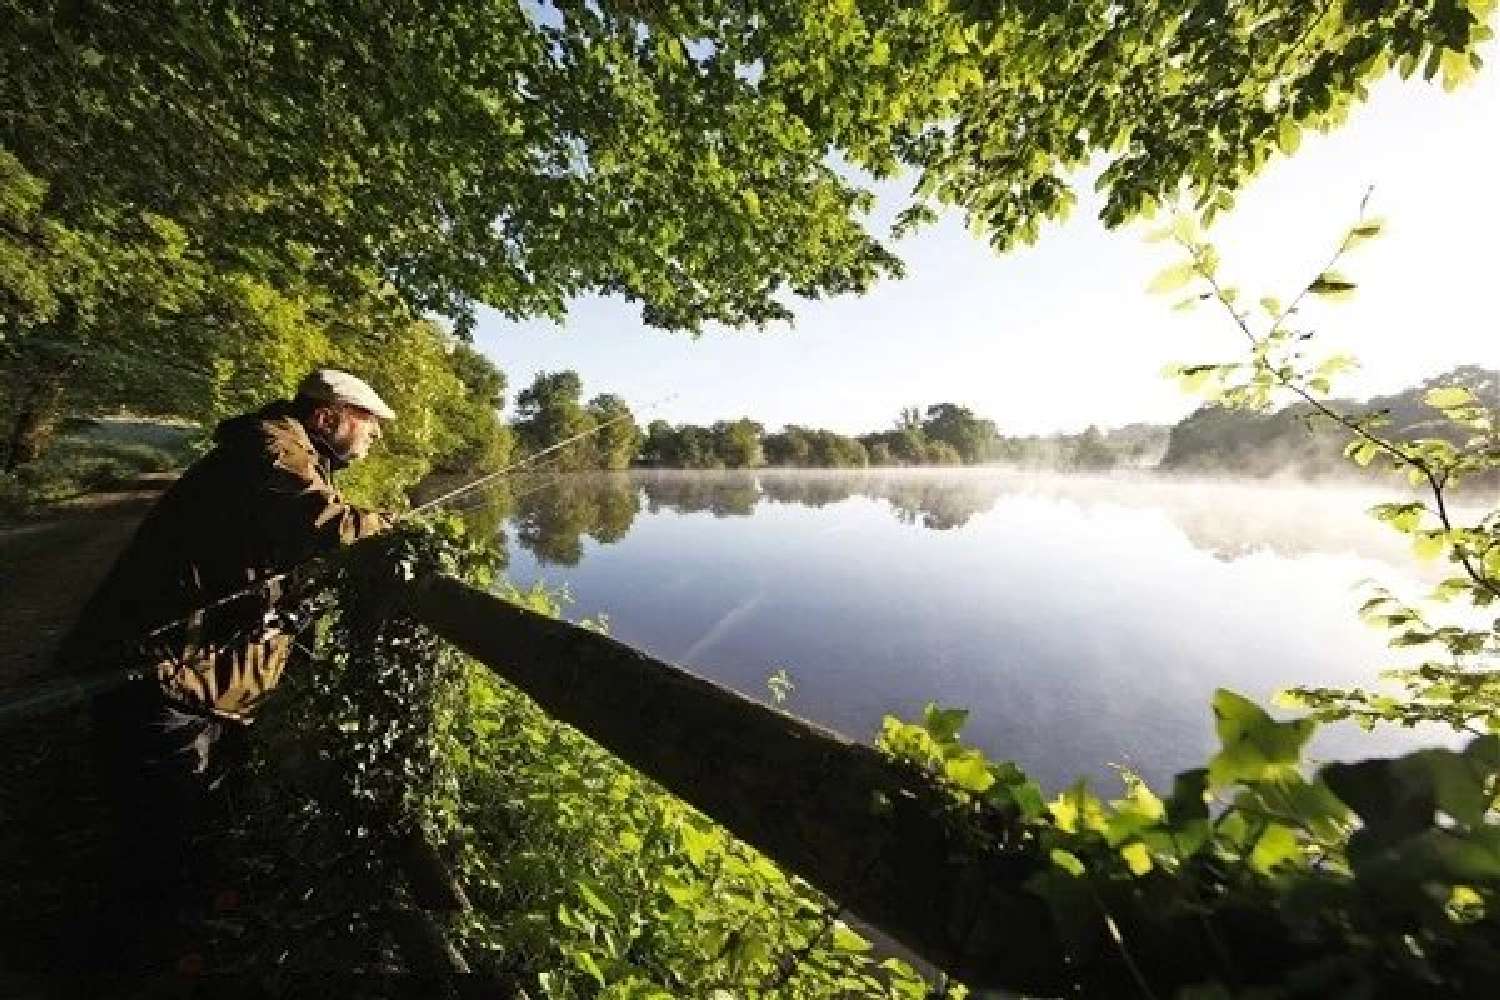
[1452, 587]
[1255, 746]
[1138, 811]
[1461, 858]
[1277, 846]
[1449, 397]
[1028, 798]
[845, 939]
[1458, 782]
[684, 894]
[1428, 545]
[1366, 230]
[696, 844]
[1363, 452]
[1137, 857]
[1389, 808]
[1077, 809]
[1288, 136]
[594, 900]
[1172, 278]
[586, 962]
[943, 724]
[968, 771]
[1404, 517]
[1067, 861]
[1189, 798]
[1331, 284]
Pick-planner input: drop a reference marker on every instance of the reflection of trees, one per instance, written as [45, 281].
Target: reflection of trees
[921, 499]
[810, 489]
[550, 519]
[924, 500]
[936, 503]
[729, 494]
[550, 514]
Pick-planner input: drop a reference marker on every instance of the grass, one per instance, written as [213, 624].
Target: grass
[90, 456]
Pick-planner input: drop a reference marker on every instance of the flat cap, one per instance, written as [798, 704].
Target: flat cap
[329, 385]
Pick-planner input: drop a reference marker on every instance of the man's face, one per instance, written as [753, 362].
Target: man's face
[355, 432]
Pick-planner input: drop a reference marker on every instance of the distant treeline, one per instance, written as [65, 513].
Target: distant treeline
[1211, 440]
[551, 410]
[1295, 441]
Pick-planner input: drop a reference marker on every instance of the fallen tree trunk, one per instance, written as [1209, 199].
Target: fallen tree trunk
[861, 828]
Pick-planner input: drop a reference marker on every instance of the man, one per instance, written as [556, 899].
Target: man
[190, 608]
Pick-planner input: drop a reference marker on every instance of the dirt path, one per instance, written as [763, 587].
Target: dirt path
[49, 568]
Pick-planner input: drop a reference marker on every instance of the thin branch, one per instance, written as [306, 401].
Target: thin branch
[1436, 479]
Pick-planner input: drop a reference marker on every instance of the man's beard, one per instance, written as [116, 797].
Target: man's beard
[337, 457]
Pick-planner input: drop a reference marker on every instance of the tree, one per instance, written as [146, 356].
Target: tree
[457, 154]
[942, 453]
[1092, 453]
[473, 415]
[738, 443]
[695, 448]
[472, 151]
[618, 438]
[548, 412]
[1004, 103]
[958, 427]
[835, 451]
[660, 444]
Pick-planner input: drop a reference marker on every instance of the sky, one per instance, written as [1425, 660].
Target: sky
[1064, 334]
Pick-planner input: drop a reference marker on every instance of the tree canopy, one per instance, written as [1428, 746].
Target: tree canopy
[225, 190]
[676, 153]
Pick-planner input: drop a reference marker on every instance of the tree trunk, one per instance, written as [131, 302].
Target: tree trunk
[37, 409]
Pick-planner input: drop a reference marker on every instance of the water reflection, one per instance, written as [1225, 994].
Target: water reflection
[550, 515]
[1083, 620]
[551, 518]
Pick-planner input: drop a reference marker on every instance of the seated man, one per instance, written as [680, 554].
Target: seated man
[189, 609]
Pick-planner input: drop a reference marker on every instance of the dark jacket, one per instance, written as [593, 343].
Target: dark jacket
[258, 504]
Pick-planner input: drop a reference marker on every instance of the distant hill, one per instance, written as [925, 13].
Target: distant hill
[1293, 441]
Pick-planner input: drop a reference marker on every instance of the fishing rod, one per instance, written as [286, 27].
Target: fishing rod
[269, 581]
[35, 697]
[487, 477]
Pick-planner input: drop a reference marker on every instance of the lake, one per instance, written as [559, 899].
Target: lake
[1084, 621]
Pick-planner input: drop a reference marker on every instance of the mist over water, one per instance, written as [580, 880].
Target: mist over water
[1083, 620]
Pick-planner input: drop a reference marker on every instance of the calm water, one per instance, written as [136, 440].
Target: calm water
[1084, 621]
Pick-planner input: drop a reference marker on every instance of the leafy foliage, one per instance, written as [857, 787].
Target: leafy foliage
[182, 188]
[1251, 879]
[1458, 441]
[812, 448]
[471, 152]
[551, 420]
[587, 880]
[143, 319]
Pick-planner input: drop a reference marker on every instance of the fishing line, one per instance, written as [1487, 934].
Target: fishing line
[548, 450]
